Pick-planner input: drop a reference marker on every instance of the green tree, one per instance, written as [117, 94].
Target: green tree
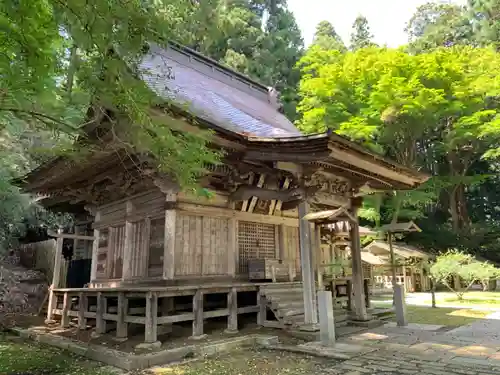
[439, 25]
[361, 36]
[456, 264]
[485, 16]
[432, 110]
[327, 38]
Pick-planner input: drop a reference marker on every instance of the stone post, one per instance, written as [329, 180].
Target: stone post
[326, 318]
[400, 305]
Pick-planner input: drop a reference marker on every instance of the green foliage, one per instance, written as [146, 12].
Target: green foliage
[361, 37]
[327, 38]
[59, 58]
[439, 25]
[485, 17]
[464, 266]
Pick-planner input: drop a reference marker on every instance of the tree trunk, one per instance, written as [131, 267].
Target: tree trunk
[433, 293]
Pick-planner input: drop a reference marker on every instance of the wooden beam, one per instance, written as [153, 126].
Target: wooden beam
[244, 192]
[169, 244]
[244, 205]
[56, 275]
[195, 209]
[372, 166]
[262, 304]
[253, 200]
[70, 236]
[273, 209]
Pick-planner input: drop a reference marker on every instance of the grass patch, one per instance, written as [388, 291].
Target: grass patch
[19, 356]
[444, 315]
[486, 299]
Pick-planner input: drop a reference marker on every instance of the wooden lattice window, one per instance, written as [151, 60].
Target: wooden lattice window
[256, 241]
[156, 247]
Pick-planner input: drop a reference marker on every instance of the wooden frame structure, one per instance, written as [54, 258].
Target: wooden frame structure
[155, 243]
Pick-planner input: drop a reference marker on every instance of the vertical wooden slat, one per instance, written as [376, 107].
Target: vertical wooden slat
[82, 309]
[100, 323]
[95, 250]
[169, 250]
[198, 314]
[151, 326]
[232, 244]
[192, 245]
[206, 242]
[199, 245]
[232, 306]
[146, 238]
[65, 310]
[186, 262]
[128, 246]
[121, 325]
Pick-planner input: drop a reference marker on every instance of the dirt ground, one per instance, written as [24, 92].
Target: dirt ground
[252, 362]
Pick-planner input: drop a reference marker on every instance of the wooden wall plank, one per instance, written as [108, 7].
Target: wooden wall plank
[170, 230]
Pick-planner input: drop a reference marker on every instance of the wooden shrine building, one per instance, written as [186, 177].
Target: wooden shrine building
[158, 253]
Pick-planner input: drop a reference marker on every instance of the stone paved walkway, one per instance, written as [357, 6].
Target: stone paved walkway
[470, 350]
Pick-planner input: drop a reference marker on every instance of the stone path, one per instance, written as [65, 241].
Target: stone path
[470, 350]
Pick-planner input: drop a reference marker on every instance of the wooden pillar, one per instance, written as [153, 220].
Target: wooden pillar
[122, 311]
[129, 248]
[100, 323]
[232, 246]
[65, 310]
[151, 326]
[56, 275]
[262, 303]
[282, 242]
[357, 266]
[318, 256]
[393, 260]
[309, 287]
[405, 284]
[232, 306]
[95, 250]
[169, 244]
[82, 309]
[198, 315]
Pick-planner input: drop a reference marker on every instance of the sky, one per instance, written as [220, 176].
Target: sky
[387, 18]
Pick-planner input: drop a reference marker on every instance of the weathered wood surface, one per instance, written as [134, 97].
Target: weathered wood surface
[232, 306]
[169, 257]
[202, 245]
[151, 326]
[195, 209]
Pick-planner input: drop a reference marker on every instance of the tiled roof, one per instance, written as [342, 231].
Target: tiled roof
[212, 93]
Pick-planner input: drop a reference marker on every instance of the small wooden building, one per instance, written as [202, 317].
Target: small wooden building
[159, 249]
[409, 272]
